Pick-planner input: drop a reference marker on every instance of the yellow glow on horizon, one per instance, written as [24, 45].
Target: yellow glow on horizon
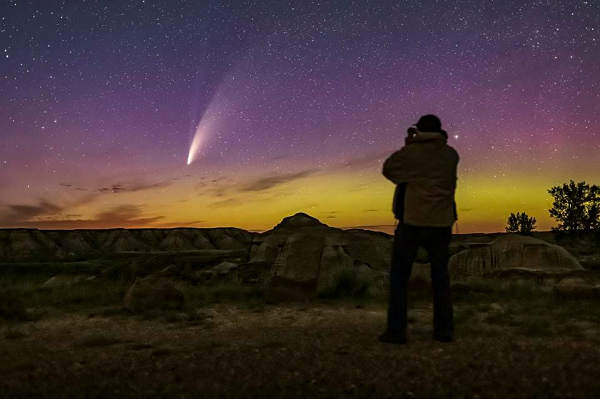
[340, 198]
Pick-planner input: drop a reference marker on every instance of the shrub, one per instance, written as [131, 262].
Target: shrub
[346, 284]
[520, 223]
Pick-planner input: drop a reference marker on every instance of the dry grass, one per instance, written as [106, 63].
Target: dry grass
[300, 351]
[511, 341]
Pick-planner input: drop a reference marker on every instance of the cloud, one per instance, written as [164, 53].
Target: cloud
[234, 194]
[121, 187]
[370, 161]
[227, 202]
[124, 215]
[265, 183]
[193, 223]
[49, 216]
[16, 213]
[133, 187]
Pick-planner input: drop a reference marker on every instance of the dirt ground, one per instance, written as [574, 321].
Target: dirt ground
[312, 350]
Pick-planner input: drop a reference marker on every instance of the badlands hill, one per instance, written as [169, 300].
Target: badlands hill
[300, 253]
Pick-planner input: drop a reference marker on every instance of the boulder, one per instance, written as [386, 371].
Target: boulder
[577, 288]
[307, 256]
[63, 280]
[152, 293]
[223, 268]
[508, 252]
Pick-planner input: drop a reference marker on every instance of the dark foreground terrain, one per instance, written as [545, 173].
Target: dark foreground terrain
[510, 343]
[64, 330]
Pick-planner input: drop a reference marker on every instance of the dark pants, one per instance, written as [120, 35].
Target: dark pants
[407, 241]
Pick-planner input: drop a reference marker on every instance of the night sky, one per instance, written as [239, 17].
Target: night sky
[294, 106]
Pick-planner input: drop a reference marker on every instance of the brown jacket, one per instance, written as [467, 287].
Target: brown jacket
[428, 166]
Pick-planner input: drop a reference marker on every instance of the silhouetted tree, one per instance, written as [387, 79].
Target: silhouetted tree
[592, 209]
[576, 206]
[520, 223]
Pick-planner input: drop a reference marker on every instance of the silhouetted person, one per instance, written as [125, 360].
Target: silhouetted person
[425, 173]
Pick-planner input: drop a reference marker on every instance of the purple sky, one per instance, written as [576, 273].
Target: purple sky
[298, 104]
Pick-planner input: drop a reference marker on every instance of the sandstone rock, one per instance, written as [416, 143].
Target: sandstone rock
[299, 220]
[511, 251]
[308, 255]
[224, 268]
[63, 280]
[152, 293]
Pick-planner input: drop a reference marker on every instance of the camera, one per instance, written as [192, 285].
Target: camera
[412, 131]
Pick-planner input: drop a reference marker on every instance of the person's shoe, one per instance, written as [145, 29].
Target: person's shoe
[443, 337]
[390, 337]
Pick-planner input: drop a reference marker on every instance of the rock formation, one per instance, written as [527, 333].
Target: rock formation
[299, 257]
[508, 252]
[31, 244]
[307, 255]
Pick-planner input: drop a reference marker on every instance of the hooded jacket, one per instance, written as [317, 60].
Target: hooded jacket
[428, 167]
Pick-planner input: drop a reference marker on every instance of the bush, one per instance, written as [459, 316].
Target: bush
[346, 284]
[520, 223]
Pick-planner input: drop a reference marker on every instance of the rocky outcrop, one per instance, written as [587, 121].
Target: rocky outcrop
[30, 244]
[307, 255]
[509, 252]
[299, 220]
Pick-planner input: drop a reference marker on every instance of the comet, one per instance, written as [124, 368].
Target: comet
[197, 140]
[213, 117]
[201, 134]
